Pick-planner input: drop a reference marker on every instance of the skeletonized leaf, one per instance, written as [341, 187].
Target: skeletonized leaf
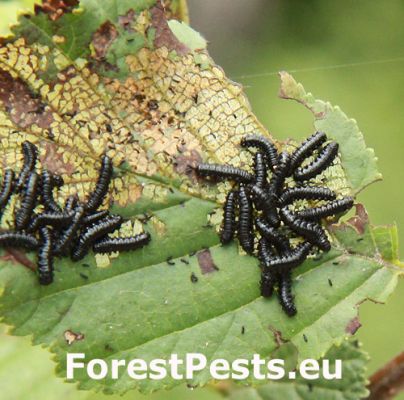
[358, 161]
[113, 77]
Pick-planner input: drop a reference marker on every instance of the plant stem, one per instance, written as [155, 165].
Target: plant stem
[388, 381]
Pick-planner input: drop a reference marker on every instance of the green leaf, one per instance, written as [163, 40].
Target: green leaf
[27, 372]
[358, 161]
[185, 34]
[152, 311]
[352, 386]
[113, 77]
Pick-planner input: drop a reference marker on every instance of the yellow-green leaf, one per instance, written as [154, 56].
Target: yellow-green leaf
[113, 77]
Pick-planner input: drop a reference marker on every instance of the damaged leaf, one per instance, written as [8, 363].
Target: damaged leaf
[358, 161]
[153, 309]
[122, 78]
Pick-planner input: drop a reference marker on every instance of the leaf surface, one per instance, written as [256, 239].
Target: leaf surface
[113, 77]
[352, 386]
[358, 161]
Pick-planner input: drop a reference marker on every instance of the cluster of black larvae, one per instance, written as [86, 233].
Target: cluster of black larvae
[262, 211]
[71, 230]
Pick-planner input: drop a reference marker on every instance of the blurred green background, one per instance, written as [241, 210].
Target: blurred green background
[348, 52]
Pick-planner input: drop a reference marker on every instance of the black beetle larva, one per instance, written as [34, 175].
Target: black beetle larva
[267, 283]
[219, 172]
[265, 201]
[332, 208]
[66, 238]
[291, 259]
[18, 240]
[94, 217]
[110, 245]
[28, 202]
[285, 293]
[245, 222]
[267, 212]
[307, 148]
[101, 188]
[305, 193]
[6, 190]
[265, 145]
[93, 233]
[260, 170]
[45, 257]
[319, 164]
[265, 251]
[277, 180]
[30, 154]
[48, 182]
[53, 230]
[55, 219]
[276, 238]
[309, 230]
[229, 217]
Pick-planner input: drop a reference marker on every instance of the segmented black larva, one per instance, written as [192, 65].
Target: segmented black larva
[101, 187]
[278, 177]
[58, 181]
[95, 217]
[268, 276]
[265, 251]
[93, 233]
[306, 149]
[333, 208]
[47, 185]
[55, 219]
[59, 230]
[110, 245]
[6, 190]
[291, 259]
[65, 241]
[45, 257]
[309, 230]
[264, 201]
[18, 240]
[71, 203]
[260, 170]
[306, 193]
[267, 283]
[276, 238]
[30, 154]
[28, 202]
[319, 164]
[219, 172]
[229, 217]
[264, 144]
[285, 293]
[245, 222]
